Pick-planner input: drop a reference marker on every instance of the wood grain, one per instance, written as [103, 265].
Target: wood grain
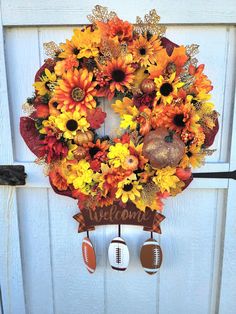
[56, 12]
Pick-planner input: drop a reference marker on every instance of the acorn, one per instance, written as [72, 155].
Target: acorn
[147, 86]
[79, 153]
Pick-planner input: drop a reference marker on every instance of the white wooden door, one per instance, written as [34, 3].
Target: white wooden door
[41, 269]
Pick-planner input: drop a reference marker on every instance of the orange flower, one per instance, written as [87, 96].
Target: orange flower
[69, 49]
[97, 150]
[145, 51]
[173, 63]
[116, 27]
[66, 65]
[76, 91]
[180, 118]
[201, 83]
[120, 74]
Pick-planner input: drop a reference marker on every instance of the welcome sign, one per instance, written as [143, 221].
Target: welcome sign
[118, 215]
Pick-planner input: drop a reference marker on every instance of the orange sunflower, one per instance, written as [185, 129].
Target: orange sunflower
[120, 74]
[180, 118]
[76, 91]
[145, 51]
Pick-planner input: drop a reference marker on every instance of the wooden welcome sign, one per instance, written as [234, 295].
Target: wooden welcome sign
[118, 215]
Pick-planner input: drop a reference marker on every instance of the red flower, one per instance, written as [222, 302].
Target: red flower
[53, 149]
[96, 117]
[144, 100]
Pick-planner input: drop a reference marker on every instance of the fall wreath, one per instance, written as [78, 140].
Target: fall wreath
[167, 121]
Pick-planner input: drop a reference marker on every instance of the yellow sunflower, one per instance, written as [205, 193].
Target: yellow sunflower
[193, 157]
[129, 189]
[47, 83]
[145, 51]
[70, 123]
[68, 49]
[167, 89]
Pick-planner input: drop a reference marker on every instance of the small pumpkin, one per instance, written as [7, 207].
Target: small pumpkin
[131, 163]
[147, 86]
[163, 148]
[79, 153]
[83, 137]
[53, 108]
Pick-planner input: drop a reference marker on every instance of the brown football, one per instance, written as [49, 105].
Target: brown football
[89, 255]
[151, 256]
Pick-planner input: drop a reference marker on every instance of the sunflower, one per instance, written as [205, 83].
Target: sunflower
[129, 189]
[116, 28]
[120, 74]
[47, 83]
[87, 42]
[117, 154]
[180, 118]
[68, 49]
[193, 157]
[70, 123]
[167, 89]
[145, 51]
[75, 91]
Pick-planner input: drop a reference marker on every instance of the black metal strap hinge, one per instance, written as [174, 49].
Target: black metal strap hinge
[12, 175]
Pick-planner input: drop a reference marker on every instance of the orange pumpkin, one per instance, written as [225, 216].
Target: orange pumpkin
[79, 152]
[131, 162]
[83, 137]
[163, 148]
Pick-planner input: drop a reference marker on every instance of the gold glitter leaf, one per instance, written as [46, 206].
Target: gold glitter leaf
[192, 50]
[100, 13]
[51, 49]
[150, 24]
[28, 108]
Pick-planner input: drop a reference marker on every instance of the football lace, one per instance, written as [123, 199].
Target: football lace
[86, 254]
[156, 256]
[118, 255]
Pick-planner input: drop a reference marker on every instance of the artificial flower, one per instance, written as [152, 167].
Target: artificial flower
[145, 51]
[70, 123]
[76, 91]
[128, 189]
[47, 83]
[117, 154]
[116, 28]
[87, 41]
[167, 88]
[166, 179]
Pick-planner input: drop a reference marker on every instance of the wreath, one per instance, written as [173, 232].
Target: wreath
[162, 96]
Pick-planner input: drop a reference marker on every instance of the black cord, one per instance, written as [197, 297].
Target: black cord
[118, 230]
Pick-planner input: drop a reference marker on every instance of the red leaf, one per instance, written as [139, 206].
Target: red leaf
[169, 45]
[96, 118]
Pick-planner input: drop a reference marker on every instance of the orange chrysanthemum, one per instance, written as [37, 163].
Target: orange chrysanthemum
[145, 51]
[76, 91]
[170, 64]
[116, 27]
[120, 74]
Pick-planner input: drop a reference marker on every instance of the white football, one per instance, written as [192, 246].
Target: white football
[118, 254]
